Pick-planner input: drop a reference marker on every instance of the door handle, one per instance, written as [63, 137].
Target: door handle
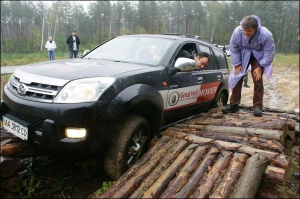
[219, 77]
[200, 79]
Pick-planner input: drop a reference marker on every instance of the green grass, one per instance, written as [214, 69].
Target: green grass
[280, 60]
[18, 59]
[285, 60]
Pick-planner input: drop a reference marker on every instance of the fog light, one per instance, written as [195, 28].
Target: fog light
[75, 132]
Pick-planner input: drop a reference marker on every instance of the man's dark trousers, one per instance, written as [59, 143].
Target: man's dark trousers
[235, 97]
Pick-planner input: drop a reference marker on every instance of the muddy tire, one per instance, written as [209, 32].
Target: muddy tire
[220, 100]
[129, 144]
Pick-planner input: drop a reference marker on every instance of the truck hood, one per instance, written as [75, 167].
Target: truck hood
[70, 69]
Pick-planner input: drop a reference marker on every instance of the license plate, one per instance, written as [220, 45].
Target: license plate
[15, 128]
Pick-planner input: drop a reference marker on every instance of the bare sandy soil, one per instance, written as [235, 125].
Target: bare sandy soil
[281, 92]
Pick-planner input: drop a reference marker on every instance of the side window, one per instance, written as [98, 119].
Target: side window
[210, 66]
[220, 59]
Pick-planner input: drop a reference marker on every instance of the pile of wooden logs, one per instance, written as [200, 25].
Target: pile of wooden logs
[214, 155]
[12, 148]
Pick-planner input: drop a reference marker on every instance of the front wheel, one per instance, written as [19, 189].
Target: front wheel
[129, 144]
[220, 100]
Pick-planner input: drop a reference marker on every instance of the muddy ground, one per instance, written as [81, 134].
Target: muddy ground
[49, 175]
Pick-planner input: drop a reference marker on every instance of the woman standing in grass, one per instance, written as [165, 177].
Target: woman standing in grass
[50, 45]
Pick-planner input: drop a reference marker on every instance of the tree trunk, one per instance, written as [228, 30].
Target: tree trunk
[162, 182]
[150, 154]
[181, 178]
[163, 164]
[221, 164]
[249, 181]
[43, 25]
[194, 180]
[231, 176]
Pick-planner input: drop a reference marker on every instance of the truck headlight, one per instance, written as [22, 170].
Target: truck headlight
[84, 90]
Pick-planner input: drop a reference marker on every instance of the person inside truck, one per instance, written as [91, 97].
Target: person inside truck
[187, 64]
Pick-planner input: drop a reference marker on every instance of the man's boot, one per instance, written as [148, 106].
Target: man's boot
[232, 108]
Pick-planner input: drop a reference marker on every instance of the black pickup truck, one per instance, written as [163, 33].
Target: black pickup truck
[115, 98]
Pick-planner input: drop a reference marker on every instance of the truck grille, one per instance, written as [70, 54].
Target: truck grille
[33, 91]
[36, 122]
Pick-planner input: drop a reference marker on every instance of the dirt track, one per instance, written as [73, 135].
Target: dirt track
[281, 92]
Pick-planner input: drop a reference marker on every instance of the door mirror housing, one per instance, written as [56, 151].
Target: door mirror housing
[185, 64]
[85, 52]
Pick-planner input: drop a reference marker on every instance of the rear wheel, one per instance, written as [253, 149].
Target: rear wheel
[127, 146]
[220, 100]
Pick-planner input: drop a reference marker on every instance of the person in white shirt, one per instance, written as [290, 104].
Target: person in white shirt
[51, 46]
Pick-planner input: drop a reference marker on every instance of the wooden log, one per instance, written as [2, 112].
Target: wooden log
[253, 141]
[134, 182]
[175, 129]
[179, 135]
[267, 124]
[267, 193]
[221, 164]
[275, 174]
[276, 159]
[164, 163]
[178, 182]
[16, 149]
[231, 176]
[266, 144]
[194, 179]
[264, 133]
[148, 156]
[250, 178]
[162, 182]
[7, 166]
[257, 132]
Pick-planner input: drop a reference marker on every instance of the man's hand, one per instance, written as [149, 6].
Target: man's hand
[257, 73]
[237, 69]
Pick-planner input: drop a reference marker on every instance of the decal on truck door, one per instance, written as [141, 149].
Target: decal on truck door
[187, 96]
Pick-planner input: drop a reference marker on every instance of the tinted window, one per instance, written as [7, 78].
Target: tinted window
[141, 50]
[210, 66]
[221, 59]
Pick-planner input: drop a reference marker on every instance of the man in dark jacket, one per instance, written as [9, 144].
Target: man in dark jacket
[73, 42]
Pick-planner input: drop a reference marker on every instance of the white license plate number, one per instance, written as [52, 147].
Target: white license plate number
[15, 128]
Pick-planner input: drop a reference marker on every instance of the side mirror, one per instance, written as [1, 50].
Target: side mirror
[185, 64]
[85, 52]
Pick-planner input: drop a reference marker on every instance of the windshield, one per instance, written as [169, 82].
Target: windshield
[141, 50]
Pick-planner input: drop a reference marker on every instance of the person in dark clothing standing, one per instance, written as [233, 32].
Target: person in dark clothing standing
[73, 42]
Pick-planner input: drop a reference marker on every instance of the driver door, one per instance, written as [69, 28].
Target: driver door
[183, 98]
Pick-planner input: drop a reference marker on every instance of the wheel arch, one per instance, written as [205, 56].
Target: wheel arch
[142, 100]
